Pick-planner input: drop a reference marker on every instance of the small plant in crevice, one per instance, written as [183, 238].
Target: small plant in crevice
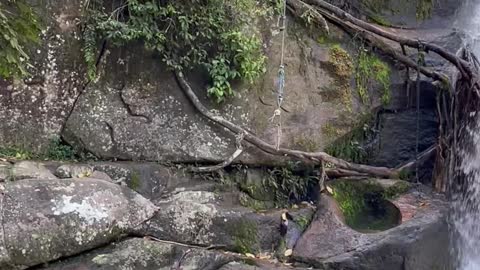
[57, 150]
[350, 147]
[370, 70]
[289, 185]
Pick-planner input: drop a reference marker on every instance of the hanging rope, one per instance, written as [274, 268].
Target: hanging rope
[277, 114]
[420, 61]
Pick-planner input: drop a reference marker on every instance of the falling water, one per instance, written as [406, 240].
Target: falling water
[466, 201]
[465, 216]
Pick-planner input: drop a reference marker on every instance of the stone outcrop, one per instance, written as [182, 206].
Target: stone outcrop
[33, 111]
[44, 220]
[137, 253]
[419, 243]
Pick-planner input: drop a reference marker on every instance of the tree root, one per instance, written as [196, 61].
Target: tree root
[375, 37]
[314, 157]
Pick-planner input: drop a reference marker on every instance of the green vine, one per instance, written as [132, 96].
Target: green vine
[211, 34]
[19, 27]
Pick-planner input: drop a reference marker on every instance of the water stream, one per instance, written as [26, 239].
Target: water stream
[465, 215]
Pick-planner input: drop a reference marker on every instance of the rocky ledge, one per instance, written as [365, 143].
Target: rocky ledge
[58, 216]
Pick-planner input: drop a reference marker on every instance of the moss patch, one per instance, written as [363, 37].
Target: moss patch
[349, 147]
[256, 205]
[305, 143]
[135, 180]
[341, 61]
[372, 70]
[364, 204]
[245, 237]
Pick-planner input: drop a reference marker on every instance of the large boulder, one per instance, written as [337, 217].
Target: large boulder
[420, 242]
[30, 170]
[44, 220]
[137, 253]
[136, 110]
[206, 218]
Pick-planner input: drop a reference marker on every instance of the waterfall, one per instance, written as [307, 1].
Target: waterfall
[465, 191]
[465, 215]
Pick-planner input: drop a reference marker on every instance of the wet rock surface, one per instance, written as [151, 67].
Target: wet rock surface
[329, 244]
[44, 220]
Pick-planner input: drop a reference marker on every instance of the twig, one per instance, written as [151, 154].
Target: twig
[227, 162]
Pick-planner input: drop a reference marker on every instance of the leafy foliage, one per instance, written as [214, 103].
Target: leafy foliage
[212, 34]
[19, 27]
[288, 185]
[56, 150]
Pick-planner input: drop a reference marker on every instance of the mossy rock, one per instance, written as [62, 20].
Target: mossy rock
[365, 203]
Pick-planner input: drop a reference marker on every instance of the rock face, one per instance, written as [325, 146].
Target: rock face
[44, 220]
[137, 110]
[329, 244]
[32, 112]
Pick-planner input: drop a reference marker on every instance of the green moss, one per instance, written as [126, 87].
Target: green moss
[397, 189]
[303, 222]
[245, 237]
[364, 204]
[56, 150]
[370, 69]
[349, 147]
[341, 61]
[135, 180]
[305, 143]
[380, 20]
[16, 153]
[325, 39]
[256, 205]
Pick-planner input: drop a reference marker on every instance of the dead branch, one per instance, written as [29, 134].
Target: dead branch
[227, 161]
[418, 44]
[422, 157]
[377, 42]
[300, 8]
[271, 149]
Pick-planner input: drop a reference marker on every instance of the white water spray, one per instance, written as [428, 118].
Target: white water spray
[465, 215]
